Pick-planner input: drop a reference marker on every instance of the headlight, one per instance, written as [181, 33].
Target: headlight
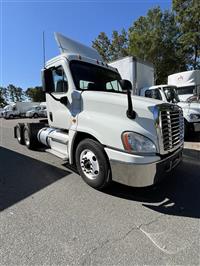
[194, 116]
[137, 143]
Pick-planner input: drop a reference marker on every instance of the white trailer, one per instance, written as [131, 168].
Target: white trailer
[96, 125]
[139, 72]
[18, 109]
[187, 83]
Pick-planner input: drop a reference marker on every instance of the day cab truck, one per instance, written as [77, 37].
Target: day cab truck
[187, 83]
[37, 111]
[97, 125]
[169, 93]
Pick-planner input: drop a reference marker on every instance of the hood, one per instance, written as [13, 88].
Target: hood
[106, 110]
[194, 107]
[119, 100]
[67, 45]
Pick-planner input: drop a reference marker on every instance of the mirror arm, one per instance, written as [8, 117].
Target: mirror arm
[62, 100]
[130, 112]
[56, 99]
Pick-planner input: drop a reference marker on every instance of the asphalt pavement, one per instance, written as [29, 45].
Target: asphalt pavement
[49, 216]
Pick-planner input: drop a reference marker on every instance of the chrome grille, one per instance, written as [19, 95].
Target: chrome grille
[172, 127]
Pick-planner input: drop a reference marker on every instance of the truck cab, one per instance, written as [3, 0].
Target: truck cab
[169, 93]
[97, 125]
[187, 82]
[36, 111]
[10, 111]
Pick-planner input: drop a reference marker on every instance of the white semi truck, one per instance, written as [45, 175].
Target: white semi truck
[95, 124]
[169, 93]
[139, 72]
[17, 109]
[187, 83]
[37, 111]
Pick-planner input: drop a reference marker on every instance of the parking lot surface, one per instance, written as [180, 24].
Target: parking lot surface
[48, 215]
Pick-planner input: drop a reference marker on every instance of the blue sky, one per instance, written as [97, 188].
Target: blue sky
[22, 24]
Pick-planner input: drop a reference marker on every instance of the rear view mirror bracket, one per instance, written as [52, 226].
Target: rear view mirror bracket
[127, 86]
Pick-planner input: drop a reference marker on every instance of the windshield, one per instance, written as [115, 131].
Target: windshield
[186, 90]
[91, 77]
[171, 94]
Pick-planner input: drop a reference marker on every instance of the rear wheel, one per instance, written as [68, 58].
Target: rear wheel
[11, 116]
[19, 133]
[92, 164]
[30, 135]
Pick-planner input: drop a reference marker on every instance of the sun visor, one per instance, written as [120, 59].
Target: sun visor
[67, 45]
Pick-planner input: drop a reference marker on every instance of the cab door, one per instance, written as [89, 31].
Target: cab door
[59, 115]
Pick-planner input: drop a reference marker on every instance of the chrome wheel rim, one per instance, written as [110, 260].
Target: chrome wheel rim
[18, 134]
[89, 164]
[26, 137]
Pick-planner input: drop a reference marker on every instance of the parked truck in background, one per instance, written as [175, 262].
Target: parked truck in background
[37, 111]
[97, 125]
[17, 109]
[187, 83]
[139, 72]
[169, 93]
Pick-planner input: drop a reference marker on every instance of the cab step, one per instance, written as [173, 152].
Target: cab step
[58, 154]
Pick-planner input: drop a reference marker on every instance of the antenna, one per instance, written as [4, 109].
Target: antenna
[43, 42]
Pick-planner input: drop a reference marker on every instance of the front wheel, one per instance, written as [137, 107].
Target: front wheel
[92, 164]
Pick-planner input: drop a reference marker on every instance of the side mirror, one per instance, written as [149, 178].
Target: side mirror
[47, 80]
[126, 85]
[168, 95]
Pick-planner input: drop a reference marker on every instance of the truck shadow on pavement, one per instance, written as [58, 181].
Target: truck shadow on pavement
[177, 195]
[21, 176]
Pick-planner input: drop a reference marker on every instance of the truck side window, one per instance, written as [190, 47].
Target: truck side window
[155, 94]
[113, 85]
[84, 84]
[60, 80]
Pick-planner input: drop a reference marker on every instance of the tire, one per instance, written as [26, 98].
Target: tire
[19, 133]
[11, 116]
[30, 135]
[92, 164]
[35, 115]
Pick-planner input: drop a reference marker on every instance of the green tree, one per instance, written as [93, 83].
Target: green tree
[2, 98]
[112, 49]
[36, 94]
[154, 38]
[16, 94]
[119, 45]
[188, 17]
[102, 45]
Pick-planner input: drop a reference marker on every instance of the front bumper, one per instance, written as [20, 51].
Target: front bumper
[145, 174]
